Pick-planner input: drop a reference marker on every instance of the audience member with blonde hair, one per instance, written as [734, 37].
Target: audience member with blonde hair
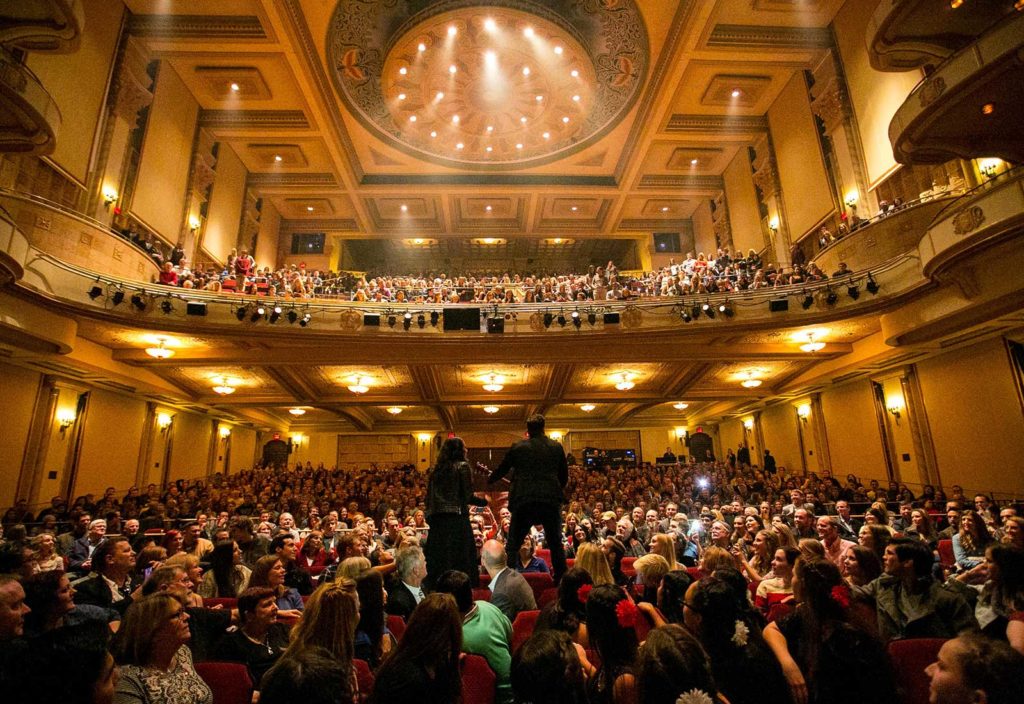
[590, 558]
[663, 544]
[329, 622]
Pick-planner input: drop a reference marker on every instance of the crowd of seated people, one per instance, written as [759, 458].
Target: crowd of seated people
[717, 577]
[722, 272]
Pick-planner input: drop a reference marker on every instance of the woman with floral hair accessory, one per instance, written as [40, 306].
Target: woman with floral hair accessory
[611, 617]
[742, 664]
[823, 655]
[672, 668]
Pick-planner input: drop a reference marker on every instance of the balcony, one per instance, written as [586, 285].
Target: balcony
[970, 106]
[29, 117]
[907, 34]
[883, 237]
[53, 26]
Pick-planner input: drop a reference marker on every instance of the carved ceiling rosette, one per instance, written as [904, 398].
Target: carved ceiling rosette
[510, 85]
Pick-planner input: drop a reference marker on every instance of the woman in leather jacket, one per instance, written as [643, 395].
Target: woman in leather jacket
[449, 492]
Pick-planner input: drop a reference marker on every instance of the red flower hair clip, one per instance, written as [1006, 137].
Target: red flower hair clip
[583, 593]
[627, 613]
[841, 595]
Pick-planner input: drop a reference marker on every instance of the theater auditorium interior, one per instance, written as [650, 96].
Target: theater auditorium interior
[350, 229]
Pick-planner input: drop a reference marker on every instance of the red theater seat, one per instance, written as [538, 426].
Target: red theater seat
[909, 658]
[522, 628]
[478, 680]
[229, 681]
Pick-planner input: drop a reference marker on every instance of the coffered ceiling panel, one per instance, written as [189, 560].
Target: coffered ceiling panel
[707, 87]
[602, 379]
[420, 214]
[263, 80]
[380, 380]
[565, 213]
[245, 380]
[313, 206]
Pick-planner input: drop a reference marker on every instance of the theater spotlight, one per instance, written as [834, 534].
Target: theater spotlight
[407, 321]
[548, 319]
[853, 291]
[808, 301]
[592, 318]
[258, 313]
[832, 297]
[708, 310]
[138, 301]
[96, 291]
[241, 313]
[726, 309]
[305, 320]
[292, 316]
[391, 321]
[576, 321]
[561, 319]
[434, 317]
[166, 306]
[685, 315]
[695, 312]
[275, 314]
[421, 321]
[871, 285]
[118, 297]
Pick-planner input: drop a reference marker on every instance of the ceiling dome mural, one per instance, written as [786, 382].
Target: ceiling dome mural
[507, 84]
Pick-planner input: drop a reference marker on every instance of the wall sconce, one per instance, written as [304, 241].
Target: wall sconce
[773, 224]
[803, 412]
[851, 199]
[193, 223]
[424, 437]
[109, 196]
[748, 424]
[298, 439]
[680, 433]
[894, 404]
[65, 418]
[225, 432]
[988, 167]
[163, 421]
[555, 435]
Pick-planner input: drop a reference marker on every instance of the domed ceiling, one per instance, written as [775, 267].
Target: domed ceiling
[510, 84]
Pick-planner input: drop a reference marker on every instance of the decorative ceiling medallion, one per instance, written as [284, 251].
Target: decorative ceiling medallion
[513, 84]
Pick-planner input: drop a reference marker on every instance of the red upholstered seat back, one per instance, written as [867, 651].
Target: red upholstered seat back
[229, 681]
[478, 680]
[909, 658]
[522, 628]
[539, 581]
[396, 625]
[364, 676]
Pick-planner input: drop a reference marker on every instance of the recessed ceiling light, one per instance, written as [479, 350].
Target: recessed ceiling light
[309, 208]
[526, 70]
[297, 411]
[680, 406]
[235, 87]
[489, 150]
[405, 208]
[488, 208]
[574, 208]
[574, 73]
[460, 145]
[523, 119]
[433, 133]
[519, 145]
[455, 119]
[439, 96]
[401, 96]
[452, 69]
[490, 128]
[394, 410]
[452, 31]
[565, 119]
[528, 32]
[540, 98]
[736, 93]
[665, 209]
[422, 47]
[988, 108]
[575, 98]
[693, 162]
[558, 50]
[490, 57]
[402, 71]
[587, 407]
[277, 157]
[546, 135]
[490, 25]
[412, 118]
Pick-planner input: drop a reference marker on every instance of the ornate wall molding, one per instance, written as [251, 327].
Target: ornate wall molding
[291, 180]
[717, 123]
[700, 183]
[197, 27]
[753, 37]
[259, 119]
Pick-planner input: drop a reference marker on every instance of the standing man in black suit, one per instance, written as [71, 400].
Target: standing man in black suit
[539, 476]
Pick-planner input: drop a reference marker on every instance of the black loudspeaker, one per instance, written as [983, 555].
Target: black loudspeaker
[611, 318]
[461, 319]
[779, 305]
[195, 308]
[371, 320]
[666, 243]
[496, 325]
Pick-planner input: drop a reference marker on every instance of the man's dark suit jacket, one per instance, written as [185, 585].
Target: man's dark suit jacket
[94, 590]
[401, 602]
[540, 472]
[512, 594]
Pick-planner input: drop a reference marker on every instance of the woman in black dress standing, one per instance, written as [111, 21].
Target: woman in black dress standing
[449, 492]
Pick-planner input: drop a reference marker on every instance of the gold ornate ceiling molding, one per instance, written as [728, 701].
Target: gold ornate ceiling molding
[753, 37]
[197, 27]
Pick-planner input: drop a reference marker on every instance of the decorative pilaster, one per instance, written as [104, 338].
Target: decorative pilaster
[720, 221]
[202, 174]
[766, 182]
[920, 429]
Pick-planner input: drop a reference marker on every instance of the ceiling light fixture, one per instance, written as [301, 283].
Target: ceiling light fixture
[693, 162]
[558, 50]
[811, 345]
[490, 25]
[736, 93]
[297, 411]
[452, 69]
[402, 71]
[277, 157]
[224, 385]
[495, 383]
[574, 73]
[587, 407]
[528, 32]
[235, 87]
[405, 208]
[160, 351]
[526, 70]
[359, 384]
[455, 119]
[394, 410]
[452, 31]
[750, 380]
[421, 47]
[491, 409]
[625, 381]
[680, 406]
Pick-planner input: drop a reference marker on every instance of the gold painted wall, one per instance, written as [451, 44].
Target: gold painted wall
[16, 403]
[110, 444]
[875, 95]
[975, 418]
[266, 244]
[225, 213]
[78, 82]
[243, 449]
[731, 435]
[742, 200]
[906, 458]
[191, 446]
[778, 424]
[854, 442]
[166, 156]
[703, 228]
[805, 189]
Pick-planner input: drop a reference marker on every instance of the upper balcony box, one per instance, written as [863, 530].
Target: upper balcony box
[970, 106]
[53, 26]
[908, 34]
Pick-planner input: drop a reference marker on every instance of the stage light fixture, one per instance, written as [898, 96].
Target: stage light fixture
[592, 318]
[275, 314]
[548, 319]
[726, 309]
[577, 321]
[871, 285]
[96, 291]
[258, 314]
[166, 306]
[406, 321]
[561, 319]
[695, 312]
[306, 319]
[407, 316]
[853, 291]
[434, 318]
[241, 313]
[685, 315]
[421, 321]
[292, 316]
[138, 301]
[832, 297]
[118, 297]
[807, 302]
[392, 320]
[708, 310]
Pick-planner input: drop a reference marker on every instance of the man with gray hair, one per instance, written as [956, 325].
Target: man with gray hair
[405, 589]
[510, 591]
[80, 559]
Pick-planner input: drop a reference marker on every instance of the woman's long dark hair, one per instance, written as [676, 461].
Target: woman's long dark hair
[370, 587]
[820, 611]
[568, 612]
[617, 645]
[1006, 589]
[452, 452]
[432, 640]
[673, 593]
[547, 670]
[222, 562]
[672, 662]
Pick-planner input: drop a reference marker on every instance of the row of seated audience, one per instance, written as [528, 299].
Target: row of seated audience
[722, 581]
